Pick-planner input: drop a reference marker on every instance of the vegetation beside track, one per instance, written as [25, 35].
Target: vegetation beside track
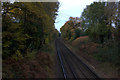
[97, 55]
[96, 34]
[28, 33]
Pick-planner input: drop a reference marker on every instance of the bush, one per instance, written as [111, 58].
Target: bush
[108, 54]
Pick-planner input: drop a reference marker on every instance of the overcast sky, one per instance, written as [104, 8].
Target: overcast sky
[68, 8]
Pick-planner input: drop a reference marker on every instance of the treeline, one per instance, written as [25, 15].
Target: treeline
[101, 22]
[27, 26]
[72, 29]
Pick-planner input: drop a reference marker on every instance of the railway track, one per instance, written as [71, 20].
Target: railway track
[71, 65]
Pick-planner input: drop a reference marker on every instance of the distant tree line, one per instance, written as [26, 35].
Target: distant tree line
[100, 21]
[27, 26]
[72, 29]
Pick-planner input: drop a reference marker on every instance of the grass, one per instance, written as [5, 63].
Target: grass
[80, 40]
[105, 58]
[107, 54]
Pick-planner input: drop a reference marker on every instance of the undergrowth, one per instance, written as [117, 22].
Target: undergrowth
[108, 53]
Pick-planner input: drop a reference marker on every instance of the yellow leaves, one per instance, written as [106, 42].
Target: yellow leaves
[16, 11]
[47, 40]
[18, 55]
[72, 30]
[7, 44]
[27, 36]
[13, 10]
[29, 25]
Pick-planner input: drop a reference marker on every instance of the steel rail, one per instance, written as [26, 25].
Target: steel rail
[82, 69]
[67, 62]
[76, 64]
[61, 62]
[72, 71]
[83, 63]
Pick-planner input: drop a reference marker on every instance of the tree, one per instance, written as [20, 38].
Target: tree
[72, 29]
[94, 20]
[25, 28]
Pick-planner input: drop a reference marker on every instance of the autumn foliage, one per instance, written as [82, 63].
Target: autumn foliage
[27, 27]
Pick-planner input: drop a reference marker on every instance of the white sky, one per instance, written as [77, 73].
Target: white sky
[68, 8]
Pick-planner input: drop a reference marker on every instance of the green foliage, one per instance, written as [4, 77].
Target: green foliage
[97, 20]
[93, 20]
[17, 55]
[77, 33]
[24, 26]
[108, 53]
[72, 29]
